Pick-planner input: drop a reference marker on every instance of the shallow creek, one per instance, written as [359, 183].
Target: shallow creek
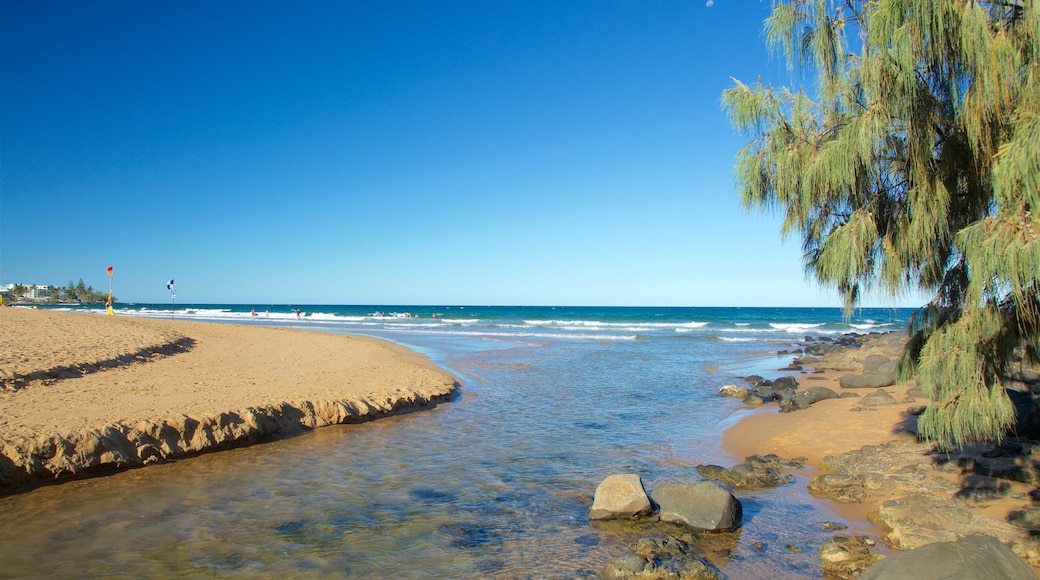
[496, 483]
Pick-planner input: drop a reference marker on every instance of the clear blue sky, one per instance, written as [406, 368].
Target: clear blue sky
[443, 152]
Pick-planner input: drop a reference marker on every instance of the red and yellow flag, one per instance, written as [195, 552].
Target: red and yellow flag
[110, 270]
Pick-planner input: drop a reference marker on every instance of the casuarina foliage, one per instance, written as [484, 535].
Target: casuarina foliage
[913, 163]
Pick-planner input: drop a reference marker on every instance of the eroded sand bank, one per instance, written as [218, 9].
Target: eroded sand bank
[81, 392]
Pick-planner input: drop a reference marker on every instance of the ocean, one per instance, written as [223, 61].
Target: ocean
[496, 483]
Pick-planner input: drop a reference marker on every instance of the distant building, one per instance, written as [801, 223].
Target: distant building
[33, 292]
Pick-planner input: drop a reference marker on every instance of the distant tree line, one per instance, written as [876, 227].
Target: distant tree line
[78, 293]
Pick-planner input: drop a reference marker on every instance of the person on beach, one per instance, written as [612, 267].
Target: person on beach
[252, 312]
[298, 312]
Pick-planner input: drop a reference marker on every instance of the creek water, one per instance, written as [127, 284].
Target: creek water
[496, 483]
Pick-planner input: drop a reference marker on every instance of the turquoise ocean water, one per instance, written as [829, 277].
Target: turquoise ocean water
[496, 483]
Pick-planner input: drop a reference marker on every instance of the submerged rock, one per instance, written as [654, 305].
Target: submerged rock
[660, 558]
[755, 473]
[847, 556]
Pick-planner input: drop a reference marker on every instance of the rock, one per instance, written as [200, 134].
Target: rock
[660, 558]
[846, 556]
[753, 400]
[620, 496]
[1027, 518]
[1027, 409]
[889, 369]
[774, 461]
[734, 391]
[1025, 381]
[839, 487]
[626, 566]
[764, 392]
[980, 488]
[966, 559]
[865, 381]
[745, 475]
[919, 519]
[785, 384]
[878, 398]
[916, 410]
[704, 506]
[873, 362]
[806, 398]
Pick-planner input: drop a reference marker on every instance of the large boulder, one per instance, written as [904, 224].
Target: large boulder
[967, 559]
[703, 506]
[806, 398]
[873, 362]
[865, 381]
[620, 496]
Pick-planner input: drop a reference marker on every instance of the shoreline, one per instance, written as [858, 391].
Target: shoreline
[82, 394]
[876, 449]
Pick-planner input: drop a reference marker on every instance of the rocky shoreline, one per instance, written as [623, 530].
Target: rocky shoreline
[82, 394]
[975, 512]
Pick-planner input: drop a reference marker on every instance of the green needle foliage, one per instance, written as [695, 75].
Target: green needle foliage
[914, 164]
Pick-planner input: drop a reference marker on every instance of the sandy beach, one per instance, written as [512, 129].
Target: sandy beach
[826, 428]
[81, 392]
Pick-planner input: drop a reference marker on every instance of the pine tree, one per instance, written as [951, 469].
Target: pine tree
[914, 163]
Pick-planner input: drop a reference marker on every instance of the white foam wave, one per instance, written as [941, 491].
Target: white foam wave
[870, 325]
[577, 325]
[511, 335]
[794, 326]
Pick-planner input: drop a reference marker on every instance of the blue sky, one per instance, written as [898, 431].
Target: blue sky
[455, 152]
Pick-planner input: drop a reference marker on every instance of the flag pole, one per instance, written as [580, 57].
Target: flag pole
[108, 304]
[173, 297]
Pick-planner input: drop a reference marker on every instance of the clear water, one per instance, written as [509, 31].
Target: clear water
[494, 484]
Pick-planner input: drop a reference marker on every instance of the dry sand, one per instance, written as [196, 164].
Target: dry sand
[76, 386]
